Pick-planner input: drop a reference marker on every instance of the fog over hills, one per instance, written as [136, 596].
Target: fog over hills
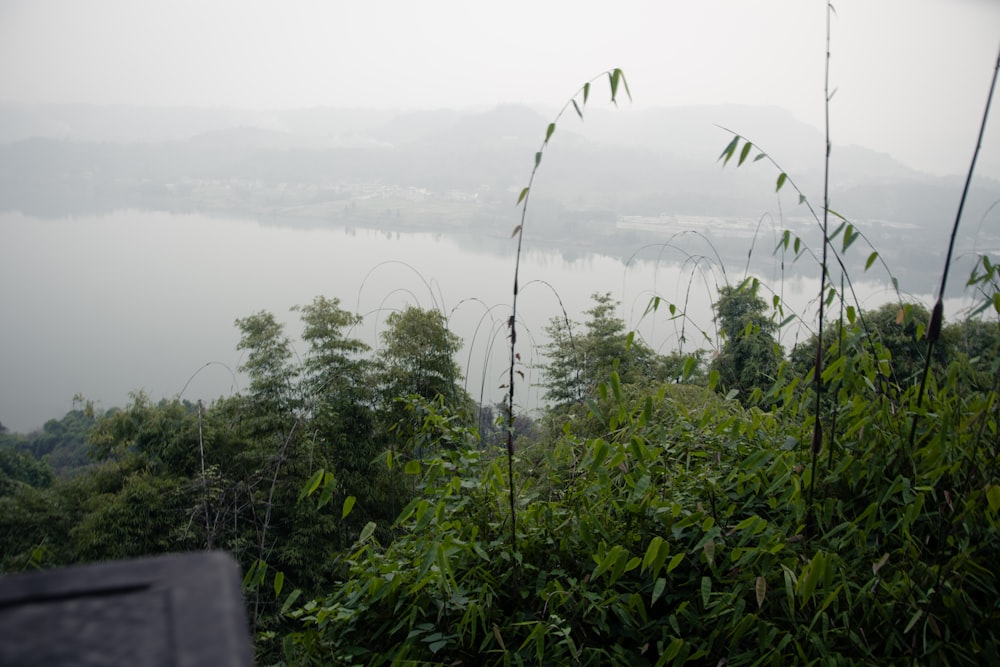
[450, 170]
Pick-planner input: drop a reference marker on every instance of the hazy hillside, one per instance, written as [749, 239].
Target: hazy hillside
[449, 170]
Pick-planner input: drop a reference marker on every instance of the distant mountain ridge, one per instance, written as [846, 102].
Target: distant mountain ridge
[308, 162]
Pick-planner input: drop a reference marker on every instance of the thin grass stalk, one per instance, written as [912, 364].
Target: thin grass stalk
[817, 439]
[615, 78]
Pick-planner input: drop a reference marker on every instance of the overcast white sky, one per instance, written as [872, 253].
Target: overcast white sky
[912, 75]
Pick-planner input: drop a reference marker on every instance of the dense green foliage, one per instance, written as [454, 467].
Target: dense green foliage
[750, 354]
[657, 523]
[681, 534]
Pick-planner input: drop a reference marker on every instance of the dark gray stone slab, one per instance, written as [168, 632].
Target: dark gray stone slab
[178, 610]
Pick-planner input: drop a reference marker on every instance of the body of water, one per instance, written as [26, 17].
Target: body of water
[139, 300]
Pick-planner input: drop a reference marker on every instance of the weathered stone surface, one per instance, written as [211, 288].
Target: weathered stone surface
[179, 610]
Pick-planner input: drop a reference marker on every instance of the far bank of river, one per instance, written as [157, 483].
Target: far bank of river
[104, 305]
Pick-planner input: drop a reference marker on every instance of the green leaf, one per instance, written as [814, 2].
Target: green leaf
[328, 487]
[743, 154]
[290, 600]
[348, 506]
[624, 83]
[782, 177]
[310, 487]
[652, 551]
[279, 581]
[577, 107]
[367, 531]
[993, 497]
[549, 132]
[586, 92]
[412, 467]
[713, 379]
[728, 151]
[520, 197]
[802, 199]
[674, 562]
[709, 550]
[760, 156]
[706, 590]
[871, 260]
[811, 577]
[658, 587]
[689, 366]
[850, 236]
[538, 159]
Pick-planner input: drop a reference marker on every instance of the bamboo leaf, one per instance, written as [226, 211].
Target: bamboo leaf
[328, 488]
[412, 467]
[520, 197]
[367, 531]
[496, 629]
[348, 506]
[761, 590]
[782, 177]
[279, 582]
[290, 600]
[728, 151]
[624, 82]
[577, 107]
[878, 565]
[310, 487]
[652, 551]
[549, 132]
[743, 154]
[538, 159]
[658, 587]
[517, 230]
[850, 236]
[586, 92]
[674, 562]
[713, 380]
[993, 497]
[760, 156]
[706, 590]
[871, 260]
[689, 366]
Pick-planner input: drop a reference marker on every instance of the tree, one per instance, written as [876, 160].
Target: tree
[578, 363]
[417, 377]
[417, 357]
[336, 385]
[272, 378]
[750, 356]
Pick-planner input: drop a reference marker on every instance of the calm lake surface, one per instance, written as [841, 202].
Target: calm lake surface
[140, 300]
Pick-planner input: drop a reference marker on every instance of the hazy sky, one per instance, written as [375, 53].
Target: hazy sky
[912, 75]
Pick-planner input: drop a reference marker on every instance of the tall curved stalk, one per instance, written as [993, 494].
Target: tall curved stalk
[616, 80]
[937, 316]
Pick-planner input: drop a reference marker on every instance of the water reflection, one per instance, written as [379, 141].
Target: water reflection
[103, 305]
